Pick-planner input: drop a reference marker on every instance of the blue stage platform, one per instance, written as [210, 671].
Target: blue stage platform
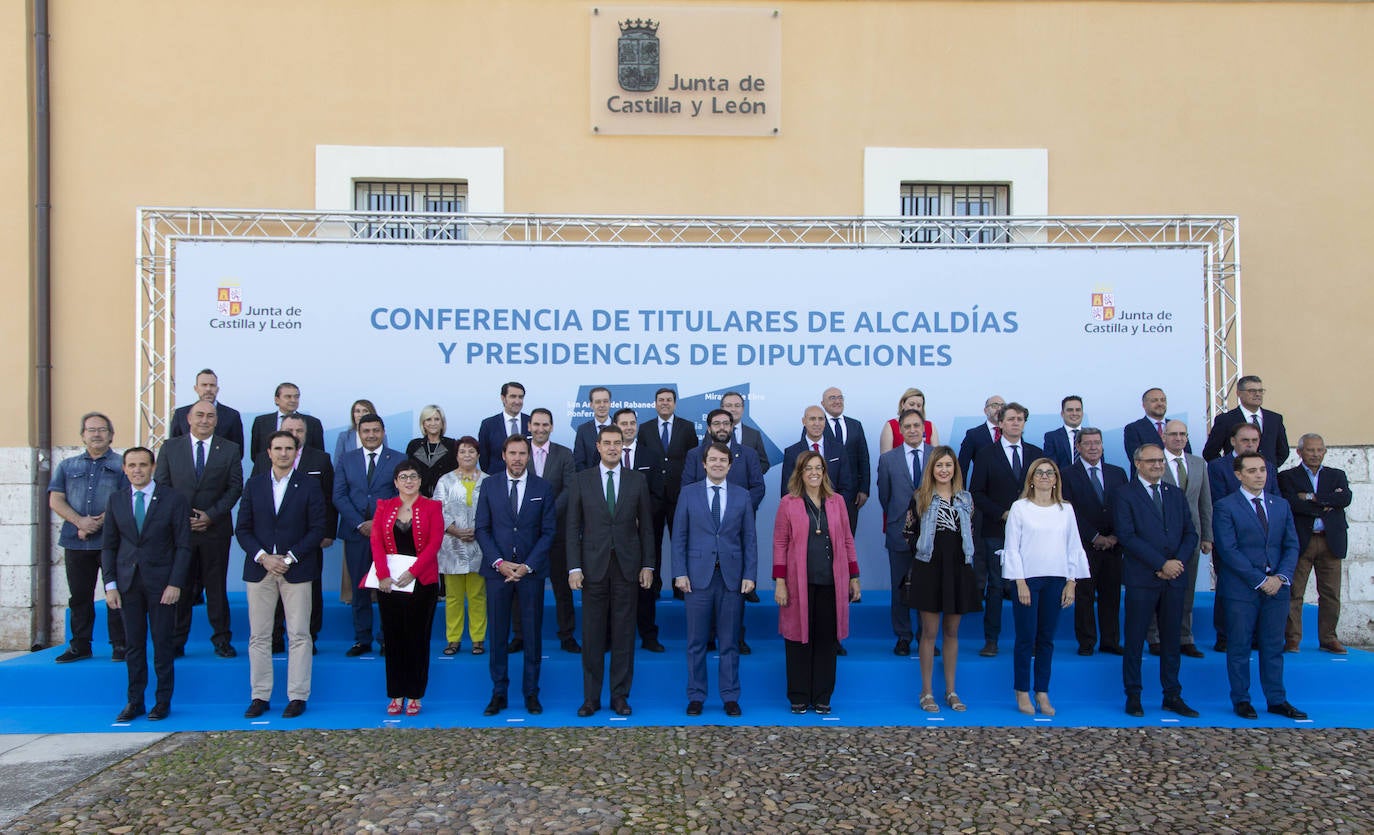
[875, 687]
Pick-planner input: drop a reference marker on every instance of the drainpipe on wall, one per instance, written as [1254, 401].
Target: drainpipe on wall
[40, 576]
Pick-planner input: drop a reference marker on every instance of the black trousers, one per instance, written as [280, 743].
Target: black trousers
[1102, 592]
[209, 570]
[811, 665]
[407, 621]
[610, 602]
[83, 569]
[145, 614]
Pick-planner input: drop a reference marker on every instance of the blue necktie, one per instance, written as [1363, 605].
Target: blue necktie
[1159, 500]
[1016, 461]
[140, 511]
[1263, 517]
[1074, 444]
[1097, 483]
[715, 505]
[200, 459]
[915, 466]
[663, 436]
[515, 498]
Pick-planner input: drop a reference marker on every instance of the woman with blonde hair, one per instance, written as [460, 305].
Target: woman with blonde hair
[434, 453]
[912, 398]
[460, 556]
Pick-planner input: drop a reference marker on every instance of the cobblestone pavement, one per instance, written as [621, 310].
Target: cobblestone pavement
[730, 780]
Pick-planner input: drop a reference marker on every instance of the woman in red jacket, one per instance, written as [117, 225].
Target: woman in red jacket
[816, 577]
[412, 525]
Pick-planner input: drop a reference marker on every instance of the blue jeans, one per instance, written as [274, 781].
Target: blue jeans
[1035, 625]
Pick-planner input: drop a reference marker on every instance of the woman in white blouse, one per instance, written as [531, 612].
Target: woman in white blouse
[460, 556]
[1044, 556]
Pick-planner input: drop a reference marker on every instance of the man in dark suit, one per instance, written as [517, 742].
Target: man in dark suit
[1157, 534]
[584, 442]
[516, 521]
[984, 434]
[1250, 399]
[281, 524]
[850, 433]
[1090, 486]
[999, 478]
[1318, 496]
[1150, 428]
[208, 470]
[288, 401]
[315, 464]
[554, 464]
[363, 477]
[1185, 470]
[228, 422]
[610, 547]
[899, 473]
[1222, 482]
[492, 434]
[1258, 549]
[715, 563]
[733, 402]
[815, 439]
[646, 458]
[672, 438]
[145, 556]
[1061, 445]
[744, 462]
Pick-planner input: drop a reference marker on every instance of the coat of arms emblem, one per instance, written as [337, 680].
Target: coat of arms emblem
[1104, 306]
[638, 53]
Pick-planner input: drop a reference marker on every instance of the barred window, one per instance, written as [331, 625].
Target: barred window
[435, 198]
[954, 200]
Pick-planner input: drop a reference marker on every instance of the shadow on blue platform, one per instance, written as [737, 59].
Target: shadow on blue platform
[875, 687]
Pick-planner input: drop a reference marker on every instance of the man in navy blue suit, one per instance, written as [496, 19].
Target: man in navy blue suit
[899, 472]
[744, 466]
[1258, 548]
[1090, 486]
[492, 434]
[228, 423]
[850, 433]
[714, 564]
[584, 441]
[516, 521]
[1155, 529]
[984, 434]
[1222, 481]
[363, 477]
[1249, 401]
[282, 521]
[1150, 428]
[287, 399]
[815, 438]
[1061, 445]
[999, 478]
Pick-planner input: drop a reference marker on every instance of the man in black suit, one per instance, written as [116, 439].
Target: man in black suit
[672, 438]
[228, 423]
[315, 464]
[1150, 428]
[209, 471]
[145, 556]
[1250, 399]
[645, 459]
[815, 439]
[733, 402]
[1061, 445]
[984, 434]
[611, 554]
[584, 443]
[553, 463]
[999, 478]
[1090, 486]
[281, 524]
[850, 433]
[493, 432]
[1319, 496]
[288, 401]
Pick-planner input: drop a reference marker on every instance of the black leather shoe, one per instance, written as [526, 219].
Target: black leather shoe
[732, 709]
[130, 711]
[1113, 649]
[711, 645]
[694, 708]
[744, 648]
[358, 649]
[571, 645]
[532, 706]
[495, 706]
[621, 706]
[160, 711]
[515, 645]
[587, 709]
[1177, 705]
[903, 647]
[1155, 649]
[1133, 707]
[72, 655]
[226, 651]
[118, 653]
[1085, 651]
[840, 650]
[1219, 646]
[821, 709]
[1287, 711]
[799, 708]
[989, 649]
[179, 652]
[294, 708]
[278, 648]
[1245, 710]
[256, 708]
[652, 645]
[1192, 651]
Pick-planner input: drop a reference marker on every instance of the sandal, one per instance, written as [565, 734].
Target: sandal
[453, 649]
[413, 707]
[394, 708]
[928, 703]
[479, 647]
[952, 699]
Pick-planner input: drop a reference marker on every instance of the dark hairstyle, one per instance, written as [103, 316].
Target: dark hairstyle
[733, 393]
[204, 371]
[796, 486]
[608, 429]
[1088, 430]
[281, 386]
[1013, 406]
[506, 387]
[668, 390]
[717, 446]
[282, 433]
[1239, 463]
[711, 415]
[109, 424]
[1065, 401]
[371, 417]
[406, 465]
[902, 417]
[1239, 427]
[293, 416]
[152, 459]
[595, 389]
[541, 410]
[1147, 391]
[618, 412]
[1248, 379]
[515, 439]
[470, 441]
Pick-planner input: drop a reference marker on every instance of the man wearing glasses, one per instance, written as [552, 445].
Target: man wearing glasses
[1249, 400]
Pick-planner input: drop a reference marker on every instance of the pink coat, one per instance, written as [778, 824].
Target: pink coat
[791, 527]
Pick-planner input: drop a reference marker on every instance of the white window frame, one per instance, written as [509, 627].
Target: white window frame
[338, 166]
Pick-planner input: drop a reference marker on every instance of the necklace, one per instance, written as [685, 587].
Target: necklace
[815, 514]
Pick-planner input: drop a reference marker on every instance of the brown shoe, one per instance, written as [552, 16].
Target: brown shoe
[1335, 647]
[1290, 646]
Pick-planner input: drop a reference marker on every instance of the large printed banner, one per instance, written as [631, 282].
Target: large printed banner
[405, 325]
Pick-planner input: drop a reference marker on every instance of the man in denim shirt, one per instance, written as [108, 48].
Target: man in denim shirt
[78, 492]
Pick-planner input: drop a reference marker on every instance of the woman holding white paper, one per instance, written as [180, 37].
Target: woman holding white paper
[409, 525]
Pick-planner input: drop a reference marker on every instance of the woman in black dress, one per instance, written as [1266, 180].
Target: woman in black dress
[435, 454]
[939, 527]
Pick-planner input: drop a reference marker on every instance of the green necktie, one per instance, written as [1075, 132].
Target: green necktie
[139, 510]
[610, 491]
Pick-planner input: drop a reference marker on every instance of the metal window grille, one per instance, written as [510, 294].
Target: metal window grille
[954, 200]
[401, 197]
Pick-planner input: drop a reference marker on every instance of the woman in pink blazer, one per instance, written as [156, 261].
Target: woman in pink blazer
[413, 525]
[816, 577]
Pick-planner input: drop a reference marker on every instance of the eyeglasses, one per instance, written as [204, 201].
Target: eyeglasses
[1152, 461]
[408, 477]
[1252, 391]
[1043, 473]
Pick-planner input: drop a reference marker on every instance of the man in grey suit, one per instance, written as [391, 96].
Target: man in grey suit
[733, 402]
[1183, 469]
[610, 547]
[899, 471]
[208, 470]
[553, 463]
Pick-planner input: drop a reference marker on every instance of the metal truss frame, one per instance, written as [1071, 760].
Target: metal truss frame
[159, 230]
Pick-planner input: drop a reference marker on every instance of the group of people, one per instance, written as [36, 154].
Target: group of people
[492, 516]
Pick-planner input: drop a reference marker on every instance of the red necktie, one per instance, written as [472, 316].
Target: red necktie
[1159, 427]
[996, 434]
[815, 447]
